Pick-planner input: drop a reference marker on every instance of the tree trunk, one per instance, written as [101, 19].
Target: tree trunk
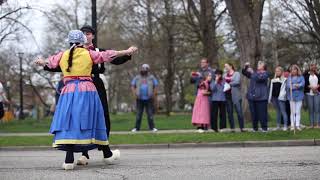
[182, 90]
[169, 77]
[274, 34]
[208, 23]
[208, 28]
[246, 18]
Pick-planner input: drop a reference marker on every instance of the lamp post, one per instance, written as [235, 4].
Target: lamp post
[94, 21]
[21, 116]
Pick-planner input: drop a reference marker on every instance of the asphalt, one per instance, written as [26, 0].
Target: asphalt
[169, 164]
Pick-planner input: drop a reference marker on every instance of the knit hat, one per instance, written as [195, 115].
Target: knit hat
[145, 67]
[76, 36]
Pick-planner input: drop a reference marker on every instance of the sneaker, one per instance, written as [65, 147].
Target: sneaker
[83, 160]
[134, 130]
[154, 130]
[67, 166]
[298, 128]
[264, 131]
[243, 130]
[223, 130]
[285, 129]
[200, 131]
[115, 156]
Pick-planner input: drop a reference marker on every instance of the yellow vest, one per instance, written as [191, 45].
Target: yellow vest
[81, 63]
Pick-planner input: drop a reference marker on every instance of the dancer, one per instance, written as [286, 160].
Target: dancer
[97, 81]
[78, 123]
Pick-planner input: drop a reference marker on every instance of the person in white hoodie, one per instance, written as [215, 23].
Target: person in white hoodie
[277, 96]
[3, 99]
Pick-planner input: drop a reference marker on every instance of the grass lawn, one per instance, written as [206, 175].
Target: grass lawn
[125, 122]
[174, 138]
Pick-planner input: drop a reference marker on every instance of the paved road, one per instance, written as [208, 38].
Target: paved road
[181, 164]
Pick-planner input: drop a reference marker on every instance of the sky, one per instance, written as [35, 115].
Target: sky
[36, 21]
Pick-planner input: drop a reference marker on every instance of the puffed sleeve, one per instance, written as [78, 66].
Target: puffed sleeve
[103, 56]
[53, 61]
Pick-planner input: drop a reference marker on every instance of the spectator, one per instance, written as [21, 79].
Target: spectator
[295, 94]
[196, 77]
[257, 94]
[218, 102]
[3, 99]
[144, 88]
[277, 96]
[201, 109]
[311, 89]
[233, 96]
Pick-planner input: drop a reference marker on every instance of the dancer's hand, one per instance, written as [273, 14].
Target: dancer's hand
[7, 102]
[131, 50]
[40, 62]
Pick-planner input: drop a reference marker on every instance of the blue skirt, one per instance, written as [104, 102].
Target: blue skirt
[78, 122]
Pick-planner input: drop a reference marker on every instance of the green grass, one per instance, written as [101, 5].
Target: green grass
[174, 138]
[121, 122]
[125, 122]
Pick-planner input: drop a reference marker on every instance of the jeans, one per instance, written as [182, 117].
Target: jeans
[276, 105]
[259, 112]
[229, 106]
[295, 107]
[1, 110]
[215, 107]
[238, 107]
[283, 111]
[313, 102]
[141, 104]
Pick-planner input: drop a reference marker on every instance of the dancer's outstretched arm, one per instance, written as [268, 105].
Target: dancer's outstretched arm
[110, 55]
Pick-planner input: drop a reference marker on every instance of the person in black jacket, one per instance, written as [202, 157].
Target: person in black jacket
[311, 89]
[96, 70]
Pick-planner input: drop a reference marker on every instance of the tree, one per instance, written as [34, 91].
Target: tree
[304, 24]
[246, 16]
[10, 16]
[204, 21]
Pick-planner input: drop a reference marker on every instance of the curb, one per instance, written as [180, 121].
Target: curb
[244, 144]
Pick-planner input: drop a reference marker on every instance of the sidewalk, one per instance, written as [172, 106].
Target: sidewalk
[176, 131]
[244, 144]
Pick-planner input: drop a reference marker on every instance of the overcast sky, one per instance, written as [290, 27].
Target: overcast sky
[34, 20]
